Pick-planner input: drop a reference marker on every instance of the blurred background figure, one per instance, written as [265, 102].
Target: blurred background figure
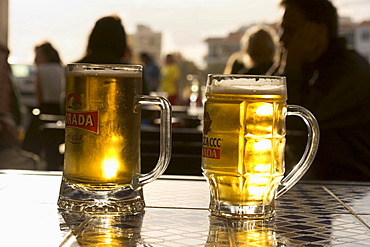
[50, 79]
[107, 42]
[11, 155]
[258, 54]
[10, 115]
[50, 93]
[169, 79]
[260, 45]
[151, 72]
[9, 103]
[333, 82]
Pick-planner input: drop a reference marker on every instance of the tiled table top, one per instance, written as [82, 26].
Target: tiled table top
[321, 214]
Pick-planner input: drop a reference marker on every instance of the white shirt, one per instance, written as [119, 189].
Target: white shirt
[52, 81]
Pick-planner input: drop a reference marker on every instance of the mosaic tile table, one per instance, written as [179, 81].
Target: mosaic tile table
[310, 214]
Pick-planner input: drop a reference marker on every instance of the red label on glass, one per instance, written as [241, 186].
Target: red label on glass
[212, 153]
[88, 120]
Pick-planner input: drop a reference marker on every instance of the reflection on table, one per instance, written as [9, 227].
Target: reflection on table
[311, 214]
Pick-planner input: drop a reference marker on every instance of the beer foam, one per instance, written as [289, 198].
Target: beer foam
[104, 69]
[246, 85]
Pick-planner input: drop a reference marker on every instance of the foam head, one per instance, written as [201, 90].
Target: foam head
[246, 84]
[104, 69]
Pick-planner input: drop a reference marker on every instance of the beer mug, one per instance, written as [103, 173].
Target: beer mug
[244, 142]
[102, 140]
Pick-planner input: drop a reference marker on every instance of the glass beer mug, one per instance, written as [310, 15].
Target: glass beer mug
[102, 140]
[244, 142]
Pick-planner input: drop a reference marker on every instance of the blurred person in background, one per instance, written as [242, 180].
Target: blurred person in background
[258, 52]
[151, 72]
[169, 79]
[9, 104]
[50, 93]
[107, 43]
[333, 82]
[50, 79]
[11, 155]
[260, 47]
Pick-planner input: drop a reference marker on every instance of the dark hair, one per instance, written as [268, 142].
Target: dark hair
[108, 35]
[170, 58]
[320, 11]
[145, 55]
[49, 52]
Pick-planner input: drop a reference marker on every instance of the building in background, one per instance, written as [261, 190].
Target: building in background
[220, 48]
[357, 35]
[146, 40]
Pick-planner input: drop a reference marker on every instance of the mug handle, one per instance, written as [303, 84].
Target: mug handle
[310, 151]
[139, 180]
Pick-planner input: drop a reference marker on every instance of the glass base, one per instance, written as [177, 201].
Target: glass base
[122, 201]
[253, 212]
[102, 230]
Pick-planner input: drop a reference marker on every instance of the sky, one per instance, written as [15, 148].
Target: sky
[184, 24]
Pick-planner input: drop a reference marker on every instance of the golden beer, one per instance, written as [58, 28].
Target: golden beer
[247, 163]
[102, 129]
[102, 146]
[244, 144]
